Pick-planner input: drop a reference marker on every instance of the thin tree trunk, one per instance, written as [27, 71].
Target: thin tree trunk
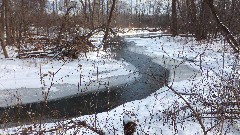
[174, 28]
[192, 11]
[84, 6]
[93, 13]
[6, 11]
[231, 40]
[188, 17]
[103, 11]
[108, 24]
[13, 29]
[98, 12]
[131, 14]
[2, 32]
[231, 17]
[203, 21]
[90, 14]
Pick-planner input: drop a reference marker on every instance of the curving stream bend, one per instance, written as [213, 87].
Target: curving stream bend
[153, 77]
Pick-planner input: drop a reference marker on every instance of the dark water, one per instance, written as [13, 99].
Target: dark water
[152, 78]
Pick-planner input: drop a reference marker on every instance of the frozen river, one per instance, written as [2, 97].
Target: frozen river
[68, 101]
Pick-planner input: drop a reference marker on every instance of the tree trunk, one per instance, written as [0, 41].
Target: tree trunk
[108, 24]
[103, 11]
[98, 12]
[90, 14]
[84, 6]
[231, 40]
[192, 18]
[232, 19]
[93, 13]
[6, 11]
[203, 21]
[174, 29]
[2, 32]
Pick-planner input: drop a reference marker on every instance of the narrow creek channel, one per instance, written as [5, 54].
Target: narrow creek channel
[152, 77]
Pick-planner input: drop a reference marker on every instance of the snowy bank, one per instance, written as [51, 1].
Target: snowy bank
[32, 80]
[203, 62]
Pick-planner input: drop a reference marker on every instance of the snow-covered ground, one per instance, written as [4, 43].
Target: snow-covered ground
[195, 67]
[23, 79]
